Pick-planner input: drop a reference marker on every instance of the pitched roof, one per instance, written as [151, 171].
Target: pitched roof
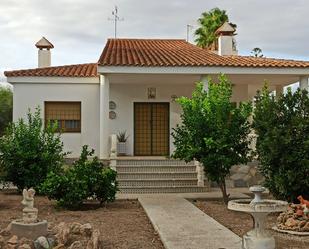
[155, 53]
[172, 53]
[78, 70]
[44, 43]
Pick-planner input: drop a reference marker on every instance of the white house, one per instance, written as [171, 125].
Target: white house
[133, 86]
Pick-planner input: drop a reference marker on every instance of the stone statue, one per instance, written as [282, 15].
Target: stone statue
[30, 214]
[28, 198]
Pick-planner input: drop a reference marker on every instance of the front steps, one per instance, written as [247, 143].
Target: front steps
[157, 176]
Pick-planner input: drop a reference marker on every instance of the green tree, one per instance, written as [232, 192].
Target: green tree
[213, 131]
[257, 52]
[282, 127]
[209, 22]
[29, 151]
[6, 107]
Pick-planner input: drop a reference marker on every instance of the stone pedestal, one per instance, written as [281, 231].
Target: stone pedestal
[30, 231]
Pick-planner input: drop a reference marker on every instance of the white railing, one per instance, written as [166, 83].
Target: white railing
[113, 151]
[200, 174]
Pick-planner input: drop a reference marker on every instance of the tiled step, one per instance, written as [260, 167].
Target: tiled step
[158, 183]
[155, 169]
[153, 162]
[158, 190]
[156, 175]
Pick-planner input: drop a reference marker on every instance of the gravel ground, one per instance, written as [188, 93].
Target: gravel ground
[123, 224]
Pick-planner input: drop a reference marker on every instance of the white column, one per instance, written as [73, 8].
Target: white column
[104, 117]
[204, 80]
[303, 82]
[279, 91]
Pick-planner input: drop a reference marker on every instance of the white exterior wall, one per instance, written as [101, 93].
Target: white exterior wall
[32, 95]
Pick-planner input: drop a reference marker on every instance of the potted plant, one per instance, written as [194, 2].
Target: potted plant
[121, 145]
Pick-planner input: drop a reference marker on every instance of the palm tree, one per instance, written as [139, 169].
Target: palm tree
[257, 52]
[209, 22]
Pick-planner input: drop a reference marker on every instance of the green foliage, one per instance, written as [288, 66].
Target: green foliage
[122, 137]
[87, 178]
[29, 152]
[6, 108]
[209, 22]
[282, 127]
[213, 131]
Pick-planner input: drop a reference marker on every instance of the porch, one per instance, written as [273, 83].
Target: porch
[148, 129]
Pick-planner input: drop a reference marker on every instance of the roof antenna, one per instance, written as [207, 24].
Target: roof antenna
[115, 19]
[189, 27]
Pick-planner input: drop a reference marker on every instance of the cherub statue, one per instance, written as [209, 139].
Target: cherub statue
[28, 198]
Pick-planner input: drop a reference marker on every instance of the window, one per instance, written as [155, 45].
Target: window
[66, 114]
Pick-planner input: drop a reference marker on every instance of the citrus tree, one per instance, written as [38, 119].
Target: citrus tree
[213, 131]
[29, 151]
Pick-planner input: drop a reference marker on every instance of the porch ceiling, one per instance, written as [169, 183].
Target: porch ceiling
[161, 79]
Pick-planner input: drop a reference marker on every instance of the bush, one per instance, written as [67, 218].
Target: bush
[6, 108]
[28, 152]
[84, 179]
[282, 145]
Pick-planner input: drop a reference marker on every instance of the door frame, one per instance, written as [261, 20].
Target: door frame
[134, 126]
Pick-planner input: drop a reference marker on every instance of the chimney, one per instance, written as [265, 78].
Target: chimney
[226, 42]
[44, 55]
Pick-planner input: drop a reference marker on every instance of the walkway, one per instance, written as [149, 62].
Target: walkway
[181, 225]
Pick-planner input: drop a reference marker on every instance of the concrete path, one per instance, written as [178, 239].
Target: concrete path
[181, 225]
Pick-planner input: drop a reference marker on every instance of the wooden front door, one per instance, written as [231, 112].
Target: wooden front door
[151, 129]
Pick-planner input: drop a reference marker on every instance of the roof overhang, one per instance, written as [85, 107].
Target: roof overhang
[54, 80]
[202, 70]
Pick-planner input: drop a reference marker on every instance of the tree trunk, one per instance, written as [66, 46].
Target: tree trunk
[225, 195]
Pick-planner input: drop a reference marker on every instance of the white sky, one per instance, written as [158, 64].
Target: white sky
[79, 28]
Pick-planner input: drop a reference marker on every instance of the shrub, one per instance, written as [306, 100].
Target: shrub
[6, 107]
[28, 152]
[213, 131]
[86, 178]
[282, 127]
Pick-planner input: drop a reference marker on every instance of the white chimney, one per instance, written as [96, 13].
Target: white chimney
[44, 54]
[226, 40]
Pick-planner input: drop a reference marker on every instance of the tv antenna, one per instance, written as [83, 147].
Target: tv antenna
[115, 19]
[189, 27]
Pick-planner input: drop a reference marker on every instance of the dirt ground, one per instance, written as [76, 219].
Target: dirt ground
[123, 224]
[240, 223]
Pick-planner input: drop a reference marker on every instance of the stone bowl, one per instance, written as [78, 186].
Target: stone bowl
[266, 206]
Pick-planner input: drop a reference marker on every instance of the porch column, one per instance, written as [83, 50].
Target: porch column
[279, 91]
[104, 120]
[303, 82]
[204, 80]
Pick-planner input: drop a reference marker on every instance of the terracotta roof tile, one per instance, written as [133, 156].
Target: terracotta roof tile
[161, 52]
[155, 53]
[78, 70]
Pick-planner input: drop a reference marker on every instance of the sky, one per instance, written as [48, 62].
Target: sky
[79, 28]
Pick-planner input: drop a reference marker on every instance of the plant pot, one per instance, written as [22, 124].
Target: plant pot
[121, 148]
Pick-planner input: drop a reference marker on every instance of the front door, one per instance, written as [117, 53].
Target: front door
[151, 129]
